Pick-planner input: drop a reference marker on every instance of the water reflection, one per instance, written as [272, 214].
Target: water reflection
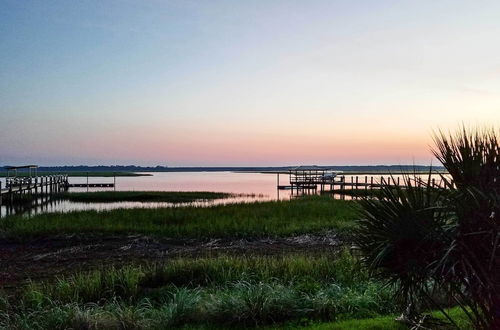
[250, 187]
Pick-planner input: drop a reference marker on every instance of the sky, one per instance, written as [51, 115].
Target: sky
[242, 83]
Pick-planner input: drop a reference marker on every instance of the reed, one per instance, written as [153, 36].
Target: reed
[262, 219]
[248, 291]
[141, 196]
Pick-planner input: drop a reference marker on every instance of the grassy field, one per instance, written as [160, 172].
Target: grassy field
[438, 321]
[224, 291]
[262, 219]
[290, 289]
[141, 196]
[82, 174]
[290, 292]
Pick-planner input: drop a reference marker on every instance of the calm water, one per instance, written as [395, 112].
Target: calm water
[255, 187]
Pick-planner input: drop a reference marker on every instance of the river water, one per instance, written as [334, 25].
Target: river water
[250, 186]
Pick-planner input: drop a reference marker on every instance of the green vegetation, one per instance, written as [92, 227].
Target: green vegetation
[357, 192]
[376, 323]
[420, 248]
[224, 291]
[263, 219]
[81, 174]
[436, 321]
[141, 196]
[425, 239]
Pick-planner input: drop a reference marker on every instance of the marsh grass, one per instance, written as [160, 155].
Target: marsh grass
[357, 192]
[302, 270]
[261, 219]
[141, 196]
[248, 291]
[305, 272]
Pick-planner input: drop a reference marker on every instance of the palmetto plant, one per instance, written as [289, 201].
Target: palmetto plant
[423, 237]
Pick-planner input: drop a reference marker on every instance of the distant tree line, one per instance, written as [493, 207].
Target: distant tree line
[135, 168]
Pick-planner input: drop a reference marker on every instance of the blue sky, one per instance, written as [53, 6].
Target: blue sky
[242, 82]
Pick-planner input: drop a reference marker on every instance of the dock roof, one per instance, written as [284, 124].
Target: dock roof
[19, 167]
[311, 168]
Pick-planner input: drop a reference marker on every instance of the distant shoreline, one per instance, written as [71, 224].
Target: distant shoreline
[136, 170]
[80, 173]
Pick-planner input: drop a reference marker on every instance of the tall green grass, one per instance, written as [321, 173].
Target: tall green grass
[306, 272]
[436, 321]
[224, 291]
[141, 196]
[261, 219]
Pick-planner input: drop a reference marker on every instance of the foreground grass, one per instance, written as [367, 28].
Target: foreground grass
[376, 323]
[289, 292]
[223, 291]
[141, 196]
[357, 192]
[263, 219]
[437, 321]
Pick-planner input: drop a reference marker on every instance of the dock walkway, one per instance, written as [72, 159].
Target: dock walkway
[18, 186]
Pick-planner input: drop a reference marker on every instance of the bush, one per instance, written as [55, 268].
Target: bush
[425, 238]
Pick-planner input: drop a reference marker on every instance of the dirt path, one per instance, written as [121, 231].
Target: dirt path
[49, 257]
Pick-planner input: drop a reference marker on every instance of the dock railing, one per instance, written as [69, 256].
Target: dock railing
[15, 186]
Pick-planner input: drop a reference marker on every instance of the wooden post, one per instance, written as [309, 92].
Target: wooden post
[371, 183]
[342, 185]
[10, 193]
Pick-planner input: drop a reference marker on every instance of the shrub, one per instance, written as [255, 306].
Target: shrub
[425, 238]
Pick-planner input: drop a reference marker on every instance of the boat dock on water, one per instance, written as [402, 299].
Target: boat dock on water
[314, 178]
[24, 180]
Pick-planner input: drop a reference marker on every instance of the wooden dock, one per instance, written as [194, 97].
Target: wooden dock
[91, 185]
[312, 178]
[18, 186]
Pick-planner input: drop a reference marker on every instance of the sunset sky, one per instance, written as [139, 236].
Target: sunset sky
[207, 83]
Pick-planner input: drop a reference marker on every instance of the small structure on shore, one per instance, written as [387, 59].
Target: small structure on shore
[309, 177]
[32, 170]
[312, 176]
